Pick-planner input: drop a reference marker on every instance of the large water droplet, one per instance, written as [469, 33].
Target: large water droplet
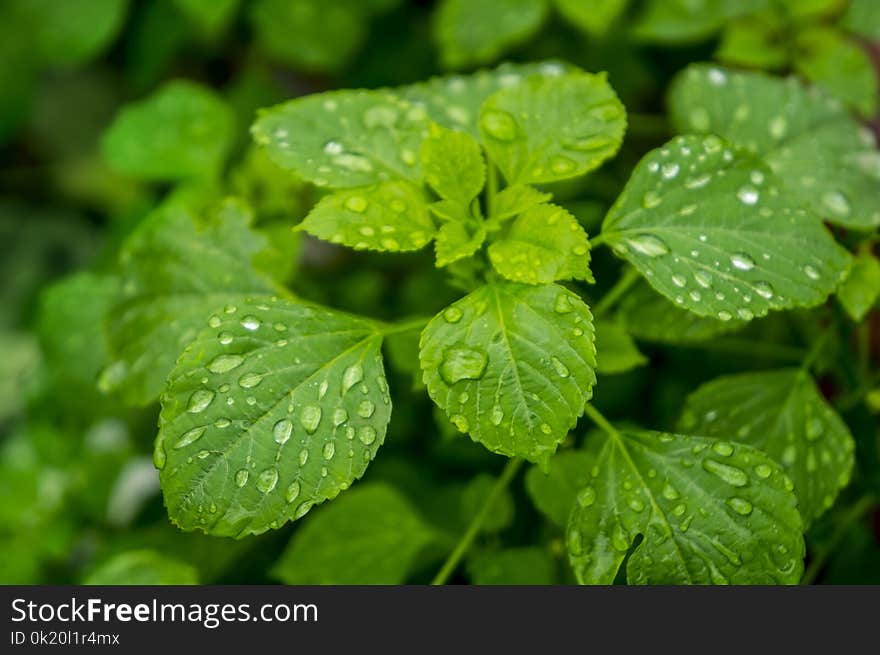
[225, 363]
[329, 450]
[460, 422]
[357, 204]
[563, 304]
[740, 505]
[651, 199]
[267, 480]
[764, 289]
[452, 314]
[730, 474]
[648, 244]
[836, 203]
[366, 408]
[352, 375]
[310, 418]
[199, 401]
[462, 363]
[250, 322]
[249, 380]
[190, 436]
[282, 431]
[241, 477]
[366, 435]
[811, 272]
[292, 492]
[333, 147]
[497, 415]
[742, 261]
[586, 497]
[499, 124]
[748, 195]
[159, 455]
[340, 416]
[560, 368]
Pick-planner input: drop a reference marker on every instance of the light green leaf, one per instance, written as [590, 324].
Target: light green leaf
[835, 62]
[861, 288]
[512, 365]
[549, 129]
[783, 414]
[474, 498]
[210, 16]
[684, 21]
[479, 31]
[529, 565]
[709, 512]
[709, 228]
[454, 100]
[863, 18]
[391, 216]
[371, 535]
[143, 567]
[182, 130]
[345, 139]
[553, 492]
[19, 367]
[824, 159]
[649, 316]
[457, 240]
[616, 351]
[453, 165]
[756, 42]
[178, 267]
[514, 200]
[593, 17]
[274, 408]
[544, 244]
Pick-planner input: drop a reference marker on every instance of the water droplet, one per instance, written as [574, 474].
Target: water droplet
[333, 148]
[303, 509]
[499, 124]
[670, 170]
[251, 322]
[723, 448]
[740, 505]
[651, 199]
[460, 422]
[214, 321]
[695, 295]
[159, 455]
[811, 272]
[452, 314]
[724, 315]
[366, 408]
[310, 418]
[742, 261]
[462, 363]
[764, 290]
[282, 431]
[497, 415]
[697, 182]
[199, 401]
[249, 380]
[670, 493]
[562, 165]
[352, 375]
[241, 477]
[329, 450]
[303, 456]
[267, 480]
[586, 496]
[777, 127]
[190, 436]
[561, 369]
[563, 304]
[636, 505]
[619, 539]
[717, 77]
[366, 435]
[357, 204]
[730, 474]
[292, 491]
[679, 281]
[748, 195]
[340, 416]
[225, 363]
[745, 314]
[648, 244]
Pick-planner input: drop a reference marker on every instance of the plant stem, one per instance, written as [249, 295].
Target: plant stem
[615, 293]
[602, 422]
[815, 350]
[855, 512]
[491, 189]
[461, 548]
[404, 326]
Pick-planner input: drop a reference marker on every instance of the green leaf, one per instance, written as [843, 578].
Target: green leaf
[544, 244]
[179, 266]
[345, 139]
[783, 414]
[824, 159]
[512, 365]
[593, 17]
[861, 289]
[142, 567]
[756, 42]
[649, 316]
[391, 216]
[371, 535]
[709, 228]
[457, 240]
[272, 409]
[835, 62]
[182, 130]
[453, 165]
[684, 21]
[548, 129]
[454, 101]
[474, 498]
[517, 199]
[708, 512]
[553, 492]
[530, 565]
[211, 16]
[479, 31]
[69, 311]
[616, 351]
[863, 18]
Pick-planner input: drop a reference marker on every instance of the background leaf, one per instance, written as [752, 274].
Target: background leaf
[861, 288]
[142, 567]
